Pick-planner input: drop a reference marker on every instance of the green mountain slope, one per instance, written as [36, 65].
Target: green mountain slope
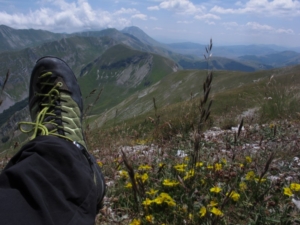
[119, 70]
[76, 51]
[13, 39]
[182, 85]
[122, 71]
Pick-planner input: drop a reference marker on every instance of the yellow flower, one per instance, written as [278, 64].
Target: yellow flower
[158, 200]
[171, 203]
[216, 211]
[128, 185]
[234, 196]
[186, 158]
[261, 180]
[199, 164]
[189, 174]
[202, 211]
[164, 197]
[100, 163]
[140, 142]
[143, 177]
[241, 165]
[250, 175]
[218, 166]
[191, 217]
[295, 187]
[160, 165]
[248, 159]
[135, 222]
[224, 161]
[210, 167]
[243, 186]
[150, 218]
[212, 204]
[287, 191]
[170, 183]
[147, 202]
[151, 192]
[144, 167]
[180, 167]
[215, 189]
[123, 174]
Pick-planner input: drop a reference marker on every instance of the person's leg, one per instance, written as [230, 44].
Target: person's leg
[50, 181]
[53, 179]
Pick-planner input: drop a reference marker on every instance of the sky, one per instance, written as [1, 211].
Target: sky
[227, 22]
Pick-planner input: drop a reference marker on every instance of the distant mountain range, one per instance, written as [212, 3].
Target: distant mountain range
[280, 59]
[233, 51]
[122, 62]
[13, 39]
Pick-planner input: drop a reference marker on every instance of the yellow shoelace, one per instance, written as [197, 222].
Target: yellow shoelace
[39, 127]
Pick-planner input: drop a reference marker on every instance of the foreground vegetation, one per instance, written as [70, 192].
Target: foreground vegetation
[174, 168]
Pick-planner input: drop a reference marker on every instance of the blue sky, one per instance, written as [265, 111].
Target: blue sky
[228, 22]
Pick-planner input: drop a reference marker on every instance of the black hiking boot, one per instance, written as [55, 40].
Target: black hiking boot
[56, 109]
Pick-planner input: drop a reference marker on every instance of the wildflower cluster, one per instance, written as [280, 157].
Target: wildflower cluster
[178, 191]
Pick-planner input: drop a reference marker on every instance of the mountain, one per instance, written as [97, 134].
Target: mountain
[188, 48]
[76, 51]
[142, 36]
[280, 59]
[13, 39]
[221, 63]
[103, 58]
[232, 51]
[122, 71]
[185, 84]
[97, 62]
[136, 39]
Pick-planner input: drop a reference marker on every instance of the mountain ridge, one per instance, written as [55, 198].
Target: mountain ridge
[84, 52]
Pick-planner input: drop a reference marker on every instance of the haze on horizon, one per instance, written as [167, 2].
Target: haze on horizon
[229, 22]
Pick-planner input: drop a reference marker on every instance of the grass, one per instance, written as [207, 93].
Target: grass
[238, 179]
[247, 176]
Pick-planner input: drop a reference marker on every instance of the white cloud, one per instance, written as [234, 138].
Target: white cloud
[264, 27]
[140, 16]
[178, 6]
[184, 22]
[62, 16]
[126, 11]
[257, 26]
[265, 7]
[230, 24]
[285, 31]
[210, 22]
[153, 8]
[207, 16]
[153, 18]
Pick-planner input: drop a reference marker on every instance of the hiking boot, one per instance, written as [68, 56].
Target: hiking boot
[55, 106]
[55, 101]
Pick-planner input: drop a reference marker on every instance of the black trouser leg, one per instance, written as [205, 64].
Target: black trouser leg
[48, 182]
